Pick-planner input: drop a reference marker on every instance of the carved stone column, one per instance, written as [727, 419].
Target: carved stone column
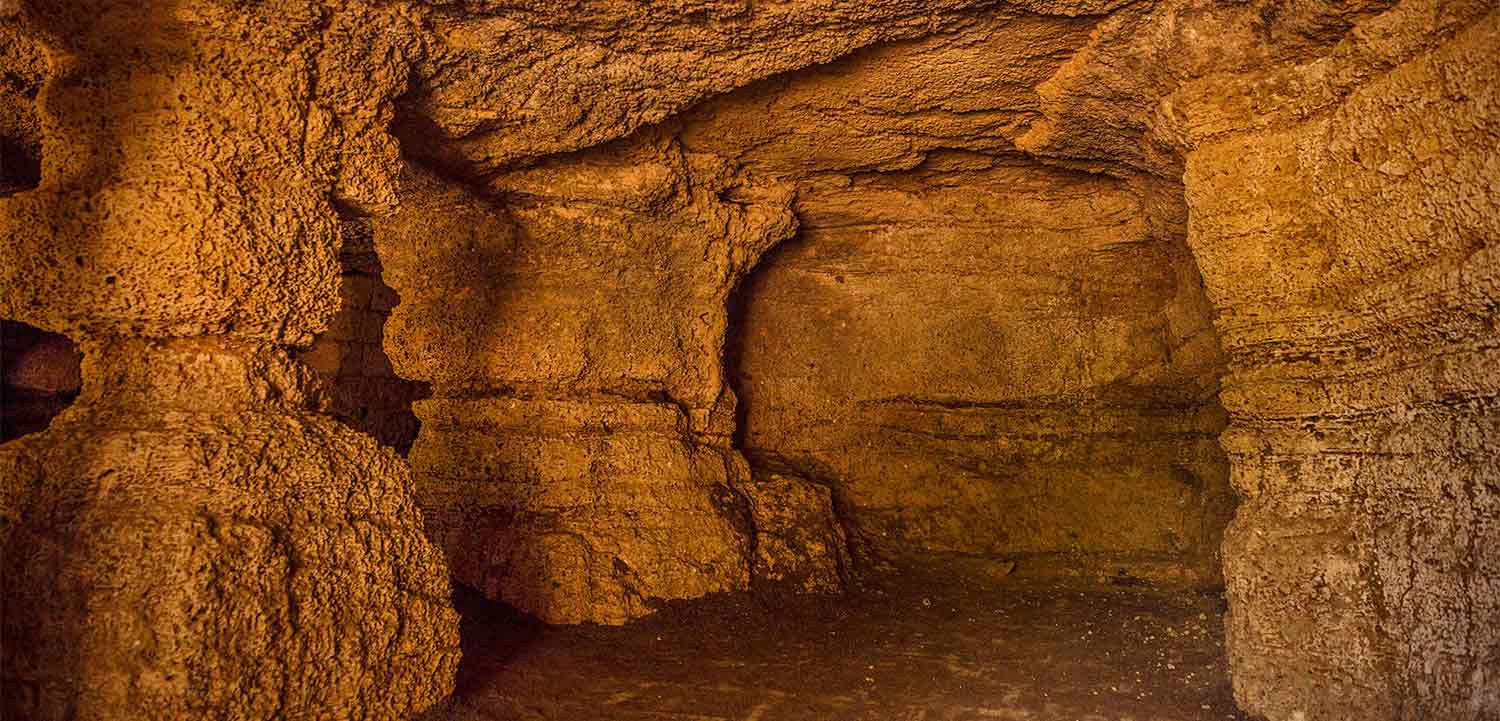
[187, 540]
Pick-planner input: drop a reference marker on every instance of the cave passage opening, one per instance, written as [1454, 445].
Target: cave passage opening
[853, 337]
[979, 405]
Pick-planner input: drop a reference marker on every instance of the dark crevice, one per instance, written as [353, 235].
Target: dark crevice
[738, 308]
[865, 562]
[41, 377]
[20, 166]
[362, 389]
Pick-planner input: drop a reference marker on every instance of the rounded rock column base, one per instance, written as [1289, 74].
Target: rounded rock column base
[186, 542]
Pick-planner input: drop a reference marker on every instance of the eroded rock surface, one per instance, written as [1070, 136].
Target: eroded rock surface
[189, 540]
[575, 459]
[508, 81]
[20, 131]
[1012, 267]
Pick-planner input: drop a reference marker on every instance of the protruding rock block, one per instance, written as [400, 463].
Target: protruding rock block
[575, 459]
[187, 542]
[799, 544]
[579, 511]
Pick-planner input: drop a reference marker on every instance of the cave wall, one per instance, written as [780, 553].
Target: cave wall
[359, 387]
[1338, 165]
[979, 353]
[189, 539]
[990, 357]
[1345, 214]
[993, 116]
[579, 192]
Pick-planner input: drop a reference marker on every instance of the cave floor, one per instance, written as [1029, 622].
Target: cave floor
[915, 649]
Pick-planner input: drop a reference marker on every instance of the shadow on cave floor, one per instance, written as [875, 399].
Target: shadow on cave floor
[918, 648]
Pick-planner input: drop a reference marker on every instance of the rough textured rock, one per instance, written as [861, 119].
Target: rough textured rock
[1022, 262]
[474, 265]
[906, 347]
[510, 81]
[578, 510]
[575, 459]
[359, 386]
[985, 356]
[799, 546]
[1348, 237]
[188, 540]
[25, 68]
[886, 108]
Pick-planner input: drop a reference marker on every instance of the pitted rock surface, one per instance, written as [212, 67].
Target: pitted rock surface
[714, 293]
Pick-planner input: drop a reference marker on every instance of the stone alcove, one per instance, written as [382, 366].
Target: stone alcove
[995, 361]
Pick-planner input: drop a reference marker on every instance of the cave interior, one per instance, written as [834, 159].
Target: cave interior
[493, 360]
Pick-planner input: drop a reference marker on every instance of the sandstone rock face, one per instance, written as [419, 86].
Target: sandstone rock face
[994, 247]
[577, 510]
[713, 295]
[188, 540]
[545, 285]
[1349, 240]
[575, 459]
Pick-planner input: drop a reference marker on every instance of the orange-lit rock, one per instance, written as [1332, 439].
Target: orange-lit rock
[187, 539]
[713, 296]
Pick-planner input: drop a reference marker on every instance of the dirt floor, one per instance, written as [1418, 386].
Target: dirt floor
[915, 650]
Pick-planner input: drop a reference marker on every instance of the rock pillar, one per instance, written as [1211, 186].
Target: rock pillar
[188, 540]
[1349, 243]
[575, 459]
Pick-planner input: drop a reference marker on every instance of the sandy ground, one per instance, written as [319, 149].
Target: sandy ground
[915, 649]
